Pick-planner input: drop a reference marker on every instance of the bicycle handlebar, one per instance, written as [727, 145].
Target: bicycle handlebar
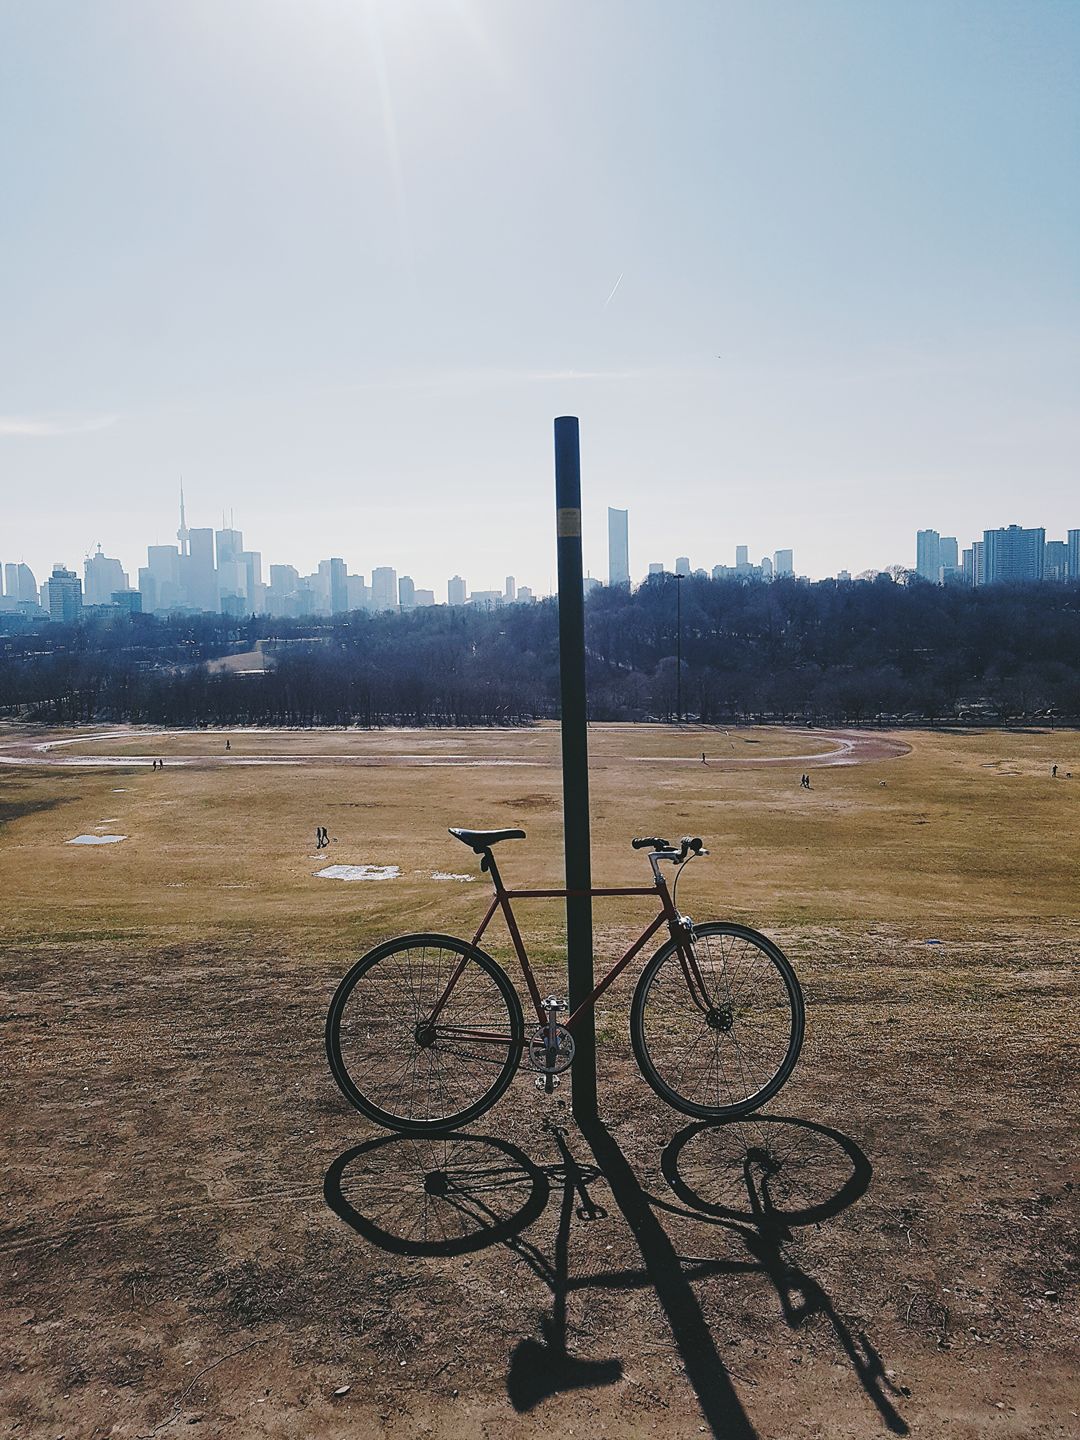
[688, 845]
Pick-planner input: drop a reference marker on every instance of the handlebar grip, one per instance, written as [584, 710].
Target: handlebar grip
[692, 843]
[643, 841]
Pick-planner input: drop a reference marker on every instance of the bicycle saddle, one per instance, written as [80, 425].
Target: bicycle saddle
[481, 840]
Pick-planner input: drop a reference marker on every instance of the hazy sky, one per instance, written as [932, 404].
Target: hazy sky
[806, 269]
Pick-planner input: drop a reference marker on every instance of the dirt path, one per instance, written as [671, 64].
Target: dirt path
[844, 747]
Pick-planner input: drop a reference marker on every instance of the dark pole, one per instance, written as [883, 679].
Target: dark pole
[678, 648]
[575, 758]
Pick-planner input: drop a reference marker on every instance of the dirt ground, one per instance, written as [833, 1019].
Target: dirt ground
[200, 1237]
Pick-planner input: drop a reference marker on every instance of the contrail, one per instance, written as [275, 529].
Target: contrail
[615, 287]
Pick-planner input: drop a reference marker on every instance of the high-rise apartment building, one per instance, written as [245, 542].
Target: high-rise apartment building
[406, 593]
[1014, 554]
[65, 594]
[928, 555]
[1073, 543]
[358, 592]
[766, 568]
[682, 565]
[656, 567]
[455, 591]
[949, 552]
[384, 588]
[424, 598]
[510, 590]
[783, 563]
[618, 547]
[1056, 560]
[20, 584]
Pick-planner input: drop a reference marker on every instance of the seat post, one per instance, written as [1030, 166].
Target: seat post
[489, 856]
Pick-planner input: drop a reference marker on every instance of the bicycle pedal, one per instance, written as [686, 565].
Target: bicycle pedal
[547, 1082]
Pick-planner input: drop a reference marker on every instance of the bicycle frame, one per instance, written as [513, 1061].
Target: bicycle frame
[502, 901]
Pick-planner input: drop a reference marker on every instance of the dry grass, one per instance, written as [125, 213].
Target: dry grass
[169, 1118]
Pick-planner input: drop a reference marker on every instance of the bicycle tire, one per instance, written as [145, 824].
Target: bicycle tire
[667, 1028]
[398, 984]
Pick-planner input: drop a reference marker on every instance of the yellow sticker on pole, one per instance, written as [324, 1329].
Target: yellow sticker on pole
[568, 523]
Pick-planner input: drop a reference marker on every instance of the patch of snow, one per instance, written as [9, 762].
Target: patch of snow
[359, 872]
[97, 839]
[446, 875]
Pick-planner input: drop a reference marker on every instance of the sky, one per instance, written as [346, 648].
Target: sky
[807, 271]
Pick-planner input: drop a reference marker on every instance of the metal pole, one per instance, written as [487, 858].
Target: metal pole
[575, 758]
[678, 649]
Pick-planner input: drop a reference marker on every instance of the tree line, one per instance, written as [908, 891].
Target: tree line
[830, 653]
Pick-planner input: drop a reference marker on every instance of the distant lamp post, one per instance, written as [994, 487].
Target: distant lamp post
[678, 648]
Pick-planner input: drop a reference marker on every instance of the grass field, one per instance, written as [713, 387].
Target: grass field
[172, 1126]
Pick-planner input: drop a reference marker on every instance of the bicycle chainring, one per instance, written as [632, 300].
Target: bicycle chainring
[564, 1051]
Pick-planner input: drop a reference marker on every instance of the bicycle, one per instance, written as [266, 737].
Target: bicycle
[426, 1032]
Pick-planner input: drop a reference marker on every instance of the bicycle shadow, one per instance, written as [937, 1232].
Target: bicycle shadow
[756, 1180]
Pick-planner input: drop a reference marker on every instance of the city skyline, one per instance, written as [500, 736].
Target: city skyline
[209, 570]
[848, 295]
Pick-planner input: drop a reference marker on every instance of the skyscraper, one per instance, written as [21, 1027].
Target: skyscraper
[928, 555]
[682, 565]
[949, 552]
[339, 586]
[65, 594]
[784, 563]
[384, 588]
[618, 547]
[163, 563]
[510, 590]
[229, 544]
[406, 593]
[1014, 554]
[199, 577]
[742, 559]
[1073, 543]
[19, 583]
[102, 576]
[455, 591]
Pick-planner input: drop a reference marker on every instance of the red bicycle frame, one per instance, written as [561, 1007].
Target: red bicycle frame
[501, 900]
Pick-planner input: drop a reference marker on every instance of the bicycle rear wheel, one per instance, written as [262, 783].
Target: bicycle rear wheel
[409, 1074]
[727, 1058]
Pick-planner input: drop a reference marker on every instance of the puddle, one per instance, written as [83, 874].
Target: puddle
[121, 792]
[359, 872]
[97, 839]
[446, 875]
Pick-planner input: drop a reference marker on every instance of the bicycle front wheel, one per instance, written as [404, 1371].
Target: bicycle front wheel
[407, 1070]
[727, 1051]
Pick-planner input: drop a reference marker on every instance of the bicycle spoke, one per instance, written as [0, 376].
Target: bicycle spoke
[726, 1058]
[409, 1069]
